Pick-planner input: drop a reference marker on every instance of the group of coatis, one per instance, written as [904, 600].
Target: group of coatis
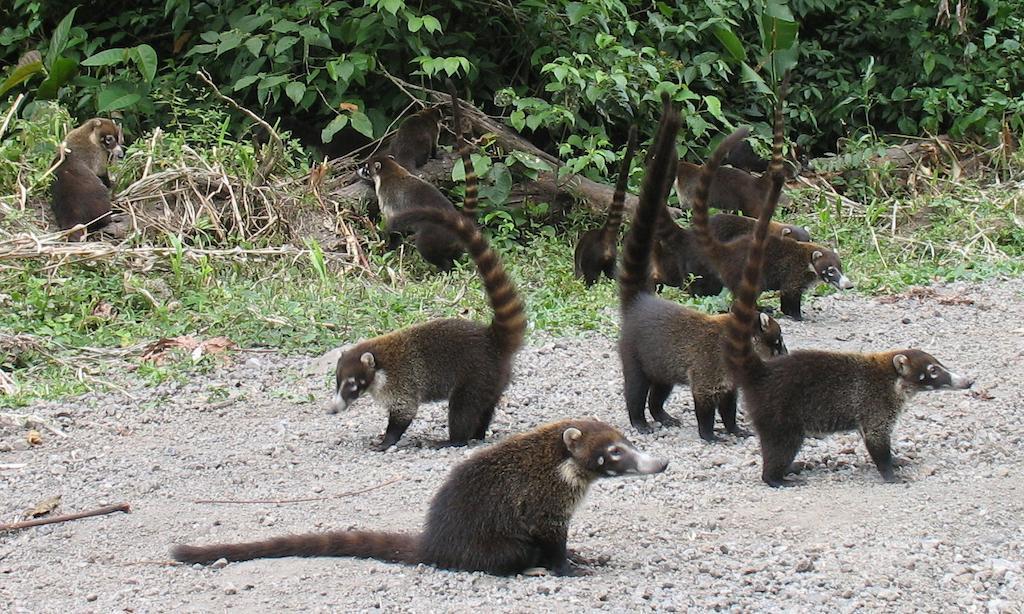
[506, 510]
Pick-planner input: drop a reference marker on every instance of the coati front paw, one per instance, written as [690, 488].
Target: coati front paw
[667, 420]
[382, 446]
[642, 426]
[740, 432]
[709, 437]
[577, 559]
[780, 482]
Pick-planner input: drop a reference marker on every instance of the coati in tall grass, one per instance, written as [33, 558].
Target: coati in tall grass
[790, 266]
[596, 250]
[469, 363]
[731, 189]
[662, 343]
[81, 186]
[812, 392]
[506, 510]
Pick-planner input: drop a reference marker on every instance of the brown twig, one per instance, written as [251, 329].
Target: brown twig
[303, 500]
[108, 509]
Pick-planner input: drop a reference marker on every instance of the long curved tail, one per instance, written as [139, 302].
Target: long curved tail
[391, 547]
[743, 362]
[509, 322]
[471, 197]
[658, 178]
[702, 231]
[614, 221]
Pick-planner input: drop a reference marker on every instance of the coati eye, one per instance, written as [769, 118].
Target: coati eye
[933, 371]
[615, 453]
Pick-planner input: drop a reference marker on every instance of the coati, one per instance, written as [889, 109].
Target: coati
[726, 226]
[505, 510]
[81, 187]
[662, 343]
[745, 158]
[676, 260]
[466, 362]
[813, 392]
[791, 266]
[596, 250]
[470, 196]
[731, 189]
[415, 142]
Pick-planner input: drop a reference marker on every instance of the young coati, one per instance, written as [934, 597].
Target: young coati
[726, 226]
[466, 362]
[662, 343]
[415, 142]
[791, 266]
[813, 392]
[596, 250]
[505, 510]
[81, 186]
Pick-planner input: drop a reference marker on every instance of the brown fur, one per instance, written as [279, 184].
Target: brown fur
[811, 391]
[415, 142]
[466, 362]
[731, 189]
[505, 510]
[726, 226]
[596, 250]
[81, 187]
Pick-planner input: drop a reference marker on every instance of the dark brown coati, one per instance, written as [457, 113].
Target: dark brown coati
[731, 189]
[505, 510]
[791, 266]
[812, 392]
[415, 142]
[469, 363]
[81, 186]
[596, 250]
[745, 158]
[726, 226]
[662, 343]
[677, 260]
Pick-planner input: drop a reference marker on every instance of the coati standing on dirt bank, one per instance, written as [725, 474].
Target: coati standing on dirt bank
[662, 343]
[726, 226]
[813, 392]
[596, 250]
[81, 186]
[505, 510]
[415, 142]
[790, 266]
[466, 362]
[731, 189]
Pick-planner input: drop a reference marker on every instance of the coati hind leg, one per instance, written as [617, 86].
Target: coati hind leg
[437, 247]
[656, 398]
[399, 419]
[611, 270]
[470, 409]
[790, 303]
[727, 411]
[778, 449]
[636, 388]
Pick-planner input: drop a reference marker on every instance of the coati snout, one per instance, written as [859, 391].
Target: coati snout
[614, 457]
[354, 374]
[827, 267]
[919, 370]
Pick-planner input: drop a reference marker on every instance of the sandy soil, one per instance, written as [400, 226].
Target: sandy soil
[705, 534]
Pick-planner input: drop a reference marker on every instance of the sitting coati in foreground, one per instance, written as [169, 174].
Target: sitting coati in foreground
[791, 266]
[811, 392]
[662, 343]
[81, 186]
[466, 362]
[506, 510]
[596, 251]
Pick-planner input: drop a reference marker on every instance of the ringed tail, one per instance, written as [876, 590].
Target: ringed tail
[391, 547]
[659, 174]
[469, 203]
[614, 221]
[702, 232]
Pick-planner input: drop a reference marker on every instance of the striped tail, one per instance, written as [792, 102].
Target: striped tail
[391, 547]
[702, 231]
[658, 178]
[614, 221]
[744, 363]
[509, 323]
[470, 200]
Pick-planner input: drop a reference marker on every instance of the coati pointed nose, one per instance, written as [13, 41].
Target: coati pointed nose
[338, 404]
[844, 283]
[647, 464]
[962, 382]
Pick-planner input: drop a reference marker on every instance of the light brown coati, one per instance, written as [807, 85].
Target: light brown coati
[662, 343]
[812, 392]
[731, 189]
[469, 363]
[81, 186]
[506, 510]
[726, 226]
[596, 250]
[415, 142]
[790, 266]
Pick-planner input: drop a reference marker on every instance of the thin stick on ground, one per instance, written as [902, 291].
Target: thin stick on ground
[303, 500]
[29, 421]
[107, 509]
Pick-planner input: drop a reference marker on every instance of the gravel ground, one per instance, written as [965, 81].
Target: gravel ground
[705, 534]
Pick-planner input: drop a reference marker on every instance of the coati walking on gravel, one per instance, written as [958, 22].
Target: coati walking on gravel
[466, 362]
[662, 343]
[505, 510]
[81, 186]
[790, 266]
[813, 392]
[596, 250]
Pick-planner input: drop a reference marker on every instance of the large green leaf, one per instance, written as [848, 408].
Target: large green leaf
[60, 72]
[731, 42]
[145, 57]
[339, 122]
[59, 40]
[20, 75]
[114, 98]
[106, 57]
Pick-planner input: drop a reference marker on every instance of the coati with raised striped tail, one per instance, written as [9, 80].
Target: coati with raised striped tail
[469, 363]
[812, 392]
[677, 261]
[506, 510]
[790, 266]
[81, 186]
[662, 343]
[596, 250]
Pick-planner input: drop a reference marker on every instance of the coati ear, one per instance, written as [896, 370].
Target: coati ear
[817, 254]
[901, 362]
[786, 231]
[96, 123]
[367, 360]
[764, 321]
[376, 165]
[570, 437]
